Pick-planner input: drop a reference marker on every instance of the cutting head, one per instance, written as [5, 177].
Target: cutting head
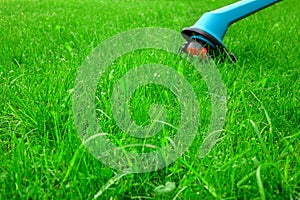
[196, 49]
[200, 43]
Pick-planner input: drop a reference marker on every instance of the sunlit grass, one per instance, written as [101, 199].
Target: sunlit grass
[41, 156]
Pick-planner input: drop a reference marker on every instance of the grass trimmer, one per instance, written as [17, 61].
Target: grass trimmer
[205, 37]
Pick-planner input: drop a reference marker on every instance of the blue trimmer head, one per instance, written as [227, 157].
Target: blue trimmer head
[206, 35]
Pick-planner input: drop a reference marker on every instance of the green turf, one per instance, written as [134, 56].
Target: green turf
[43, 44]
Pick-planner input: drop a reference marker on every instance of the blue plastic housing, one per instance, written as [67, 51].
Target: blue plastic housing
[216, 23]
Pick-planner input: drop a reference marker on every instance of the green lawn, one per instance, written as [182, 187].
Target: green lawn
[44, 43]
